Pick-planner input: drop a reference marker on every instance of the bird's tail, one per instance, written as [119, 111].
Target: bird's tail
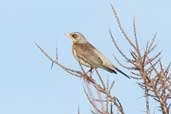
[113, 69]
[122, 72]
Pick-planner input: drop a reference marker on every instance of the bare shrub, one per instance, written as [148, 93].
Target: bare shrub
[145, 68]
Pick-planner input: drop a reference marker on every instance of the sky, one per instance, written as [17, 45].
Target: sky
[27, 83]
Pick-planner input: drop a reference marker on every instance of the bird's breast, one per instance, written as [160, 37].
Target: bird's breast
[79, 58]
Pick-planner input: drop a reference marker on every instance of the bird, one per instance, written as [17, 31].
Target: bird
[88, 55]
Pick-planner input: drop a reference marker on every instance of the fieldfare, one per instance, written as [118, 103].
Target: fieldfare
[86, 54]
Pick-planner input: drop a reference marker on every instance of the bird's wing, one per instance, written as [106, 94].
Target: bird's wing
[107, 64]
[86, 52]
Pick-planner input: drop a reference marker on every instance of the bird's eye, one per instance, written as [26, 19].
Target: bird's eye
[74, 35]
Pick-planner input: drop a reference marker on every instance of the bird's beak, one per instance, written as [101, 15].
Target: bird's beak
[68, 35]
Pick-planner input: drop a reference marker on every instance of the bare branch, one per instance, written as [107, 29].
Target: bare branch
[121, 28]
[68, 70]
[117, 47]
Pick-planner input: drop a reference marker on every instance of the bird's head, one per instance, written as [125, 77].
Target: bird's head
[76, 37]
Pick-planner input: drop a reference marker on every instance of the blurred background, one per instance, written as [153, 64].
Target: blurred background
[27, 83]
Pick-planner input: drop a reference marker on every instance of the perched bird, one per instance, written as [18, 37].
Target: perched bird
[86, 54]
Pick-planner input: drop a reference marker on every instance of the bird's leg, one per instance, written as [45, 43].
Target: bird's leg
[90, 71]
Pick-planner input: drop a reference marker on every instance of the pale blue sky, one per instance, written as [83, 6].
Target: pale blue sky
[29, 86]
